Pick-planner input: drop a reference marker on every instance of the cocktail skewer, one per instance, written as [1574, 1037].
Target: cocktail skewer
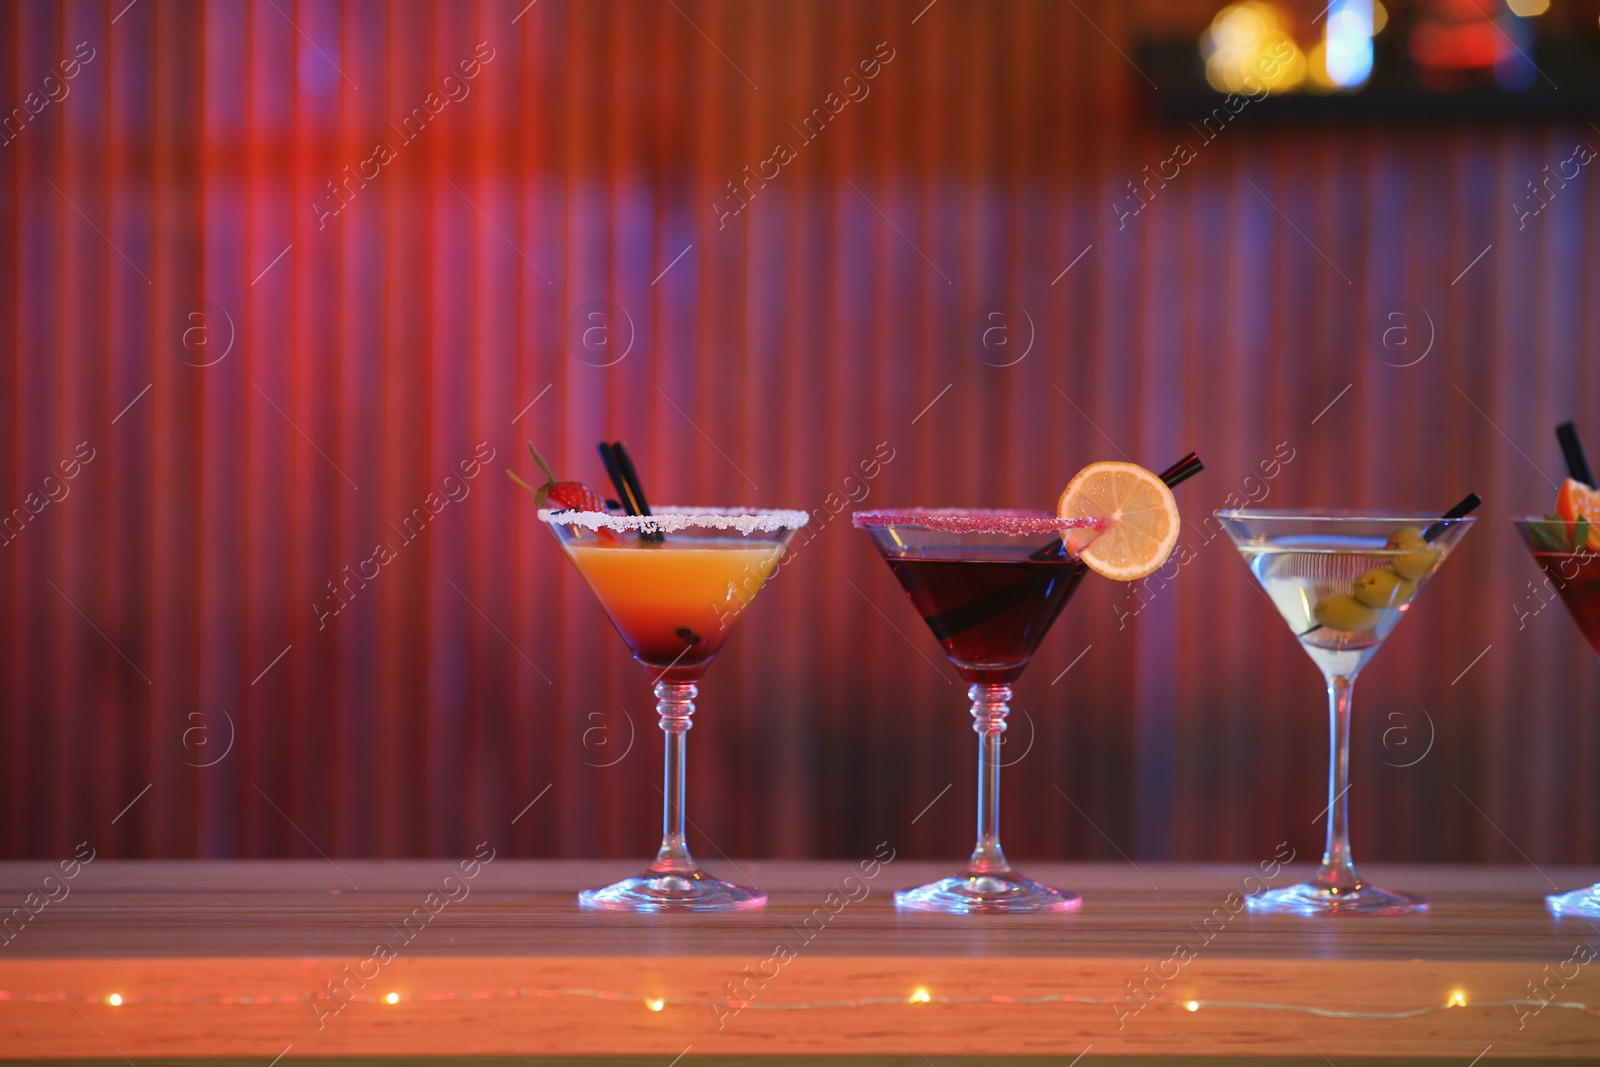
[1463, 507]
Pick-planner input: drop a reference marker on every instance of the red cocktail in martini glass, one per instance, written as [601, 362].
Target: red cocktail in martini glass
[1569, 554]
[988, 584]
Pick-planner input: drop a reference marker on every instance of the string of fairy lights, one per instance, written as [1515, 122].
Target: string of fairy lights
[1457, 999]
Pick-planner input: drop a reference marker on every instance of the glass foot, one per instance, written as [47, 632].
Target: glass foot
[1584, 903]
[695, 891]
[1311, 898]
[991, 893]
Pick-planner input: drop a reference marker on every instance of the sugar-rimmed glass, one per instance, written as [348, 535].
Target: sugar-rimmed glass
[674, 583]
[988, 584]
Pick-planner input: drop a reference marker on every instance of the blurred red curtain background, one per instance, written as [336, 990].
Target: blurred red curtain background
[270, 387]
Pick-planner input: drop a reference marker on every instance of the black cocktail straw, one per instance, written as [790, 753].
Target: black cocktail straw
[1572, 452]
[1182, 471]
[614, 472]
[630, 478]
[1461, 510]
[619, 468]
[633, 489]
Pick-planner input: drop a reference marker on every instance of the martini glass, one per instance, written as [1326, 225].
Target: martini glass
[674, 583]
[1342, 581]
[1574, 571]
[988, 584]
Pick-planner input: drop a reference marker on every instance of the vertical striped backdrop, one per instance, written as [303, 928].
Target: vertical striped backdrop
[272, 271]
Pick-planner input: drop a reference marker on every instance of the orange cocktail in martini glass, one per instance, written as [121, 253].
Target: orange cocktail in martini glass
[674, 583]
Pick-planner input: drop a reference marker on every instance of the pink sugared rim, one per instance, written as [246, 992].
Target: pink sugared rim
[1009, 522]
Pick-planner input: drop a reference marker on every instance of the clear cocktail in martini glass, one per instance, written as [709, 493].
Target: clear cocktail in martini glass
[674, 583]
[988, 584]
[1342, 581]
[1569, 555]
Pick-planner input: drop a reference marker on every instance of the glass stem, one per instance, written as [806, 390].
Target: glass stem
[989, 709]
[1338, 872]
[675, 705]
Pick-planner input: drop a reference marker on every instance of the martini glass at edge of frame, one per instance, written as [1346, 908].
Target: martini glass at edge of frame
[1341, 581]
[1575, 573]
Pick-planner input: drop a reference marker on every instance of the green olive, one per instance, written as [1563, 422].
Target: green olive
[1407, 537]
[1341, 611]
[1379, 588]
[1416, 565]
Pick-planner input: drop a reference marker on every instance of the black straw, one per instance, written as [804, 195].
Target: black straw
[615, 474]
[1182, 471]
[623, 474]
[1572, 452]
[1466, 506]
[630, 477]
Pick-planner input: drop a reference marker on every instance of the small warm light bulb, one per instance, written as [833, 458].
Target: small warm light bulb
[657, 1004]
[921, 996]
[1193, 1005]
[115, 1000]
[1458, 999]
[392, 998]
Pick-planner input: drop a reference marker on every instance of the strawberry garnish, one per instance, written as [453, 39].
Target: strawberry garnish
[573, 496]
[560, 496]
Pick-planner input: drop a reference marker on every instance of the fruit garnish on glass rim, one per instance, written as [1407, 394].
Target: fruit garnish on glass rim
[561, 496]
[564, 496]
[1139, 512]
[1577, 505]
[1574, 578]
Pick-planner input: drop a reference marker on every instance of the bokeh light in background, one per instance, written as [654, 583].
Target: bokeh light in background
[1453, 37]
[1347, 47]
[1248, 45]
[1252, 44]
[1332, 50]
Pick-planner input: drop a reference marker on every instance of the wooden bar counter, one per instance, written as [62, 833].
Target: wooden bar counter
[353, 958]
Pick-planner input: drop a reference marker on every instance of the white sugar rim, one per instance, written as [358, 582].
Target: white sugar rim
[669, 519]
